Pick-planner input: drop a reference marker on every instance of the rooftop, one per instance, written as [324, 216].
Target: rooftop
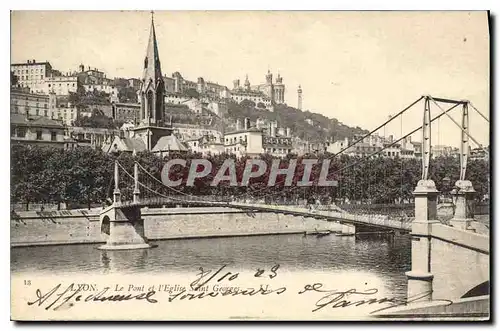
[244, 131]
[169, 143]
[38, 121]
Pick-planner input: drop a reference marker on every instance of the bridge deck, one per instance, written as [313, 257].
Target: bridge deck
[373, 220]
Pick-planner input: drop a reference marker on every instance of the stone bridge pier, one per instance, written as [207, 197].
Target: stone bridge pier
[449, 263]
[123, 227]
[123, 224]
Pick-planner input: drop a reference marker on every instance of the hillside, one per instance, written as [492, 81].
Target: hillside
[321, 129]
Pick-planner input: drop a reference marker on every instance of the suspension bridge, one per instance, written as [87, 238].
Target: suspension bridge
[136, 187]
[436, 249]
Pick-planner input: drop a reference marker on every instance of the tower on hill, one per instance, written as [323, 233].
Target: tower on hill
[299, 96]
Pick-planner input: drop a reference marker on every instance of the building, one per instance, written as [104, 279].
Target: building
[93, 79]
[479, 153]
[384, 147]
[32, 74]
[134, 83]
[256, 97]
[126, 111]
[176, 84]
[91, 137]
[274, 91]
[407, 148]
[369, 145]
[49, 106]
[277, 141]
[186, 132]
[24, 102]
[176, 98]
[417, 146]
[39, 131]
[444, 151]
[167, 144]
[65, 113]
[206, 145]
[244, 141]
[60, 85]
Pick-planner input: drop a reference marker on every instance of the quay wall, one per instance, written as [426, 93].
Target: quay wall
[80, 226]
[460, 261]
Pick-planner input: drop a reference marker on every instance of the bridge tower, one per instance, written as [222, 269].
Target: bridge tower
[122, 223]
[421, 276]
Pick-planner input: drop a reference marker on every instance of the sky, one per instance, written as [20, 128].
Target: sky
[359, 67]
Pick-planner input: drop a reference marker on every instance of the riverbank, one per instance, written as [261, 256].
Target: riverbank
[83, 226]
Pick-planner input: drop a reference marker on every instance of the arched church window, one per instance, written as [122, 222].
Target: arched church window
[145, 62]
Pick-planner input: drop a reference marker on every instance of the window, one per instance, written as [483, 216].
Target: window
[53, 136]
[49, 85]
[39, 135]
[41, 76]
[45, 113]
[45, 105]
[37, 112]
[21, 132]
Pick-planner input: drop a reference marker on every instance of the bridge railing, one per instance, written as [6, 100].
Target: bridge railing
[311, 209]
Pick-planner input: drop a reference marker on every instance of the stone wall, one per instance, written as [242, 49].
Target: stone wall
[457, 268]
[68, 227]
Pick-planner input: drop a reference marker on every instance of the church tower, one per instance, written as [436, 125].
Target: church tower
[152, 94]
[299, 101]
[153, 86]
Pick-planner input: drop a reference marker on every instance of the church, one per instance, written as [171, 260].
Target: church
[151, 133]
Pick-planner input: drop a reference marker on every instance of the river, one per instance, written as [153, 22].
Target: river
[382, 260]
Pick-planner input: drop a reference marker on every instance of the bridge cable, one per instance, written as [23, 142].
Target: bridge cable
[380, 126]
[455, 122]
[195, 197]
[405, 136]
[470, 104]
[145, 186]
[343, 168]
[159, 181]
[358, 140]
[385, 147]
[401, 161]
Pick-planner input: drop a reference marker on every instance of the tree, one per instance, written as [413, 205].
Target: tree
[127, 94]
[261, 105]
[97, 120]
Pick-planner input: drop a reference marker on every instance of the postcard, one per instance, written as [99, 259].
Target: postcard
[250, 165]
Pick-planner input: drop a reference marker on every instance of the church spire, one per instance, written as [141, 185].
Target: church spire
[153, 86]
[152, 67]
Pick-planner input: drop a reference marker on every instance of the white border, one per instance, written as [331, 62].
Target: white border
[195, 5]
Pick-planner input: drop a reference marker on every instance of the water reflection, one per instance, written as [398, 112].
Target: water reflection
[114, 261]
